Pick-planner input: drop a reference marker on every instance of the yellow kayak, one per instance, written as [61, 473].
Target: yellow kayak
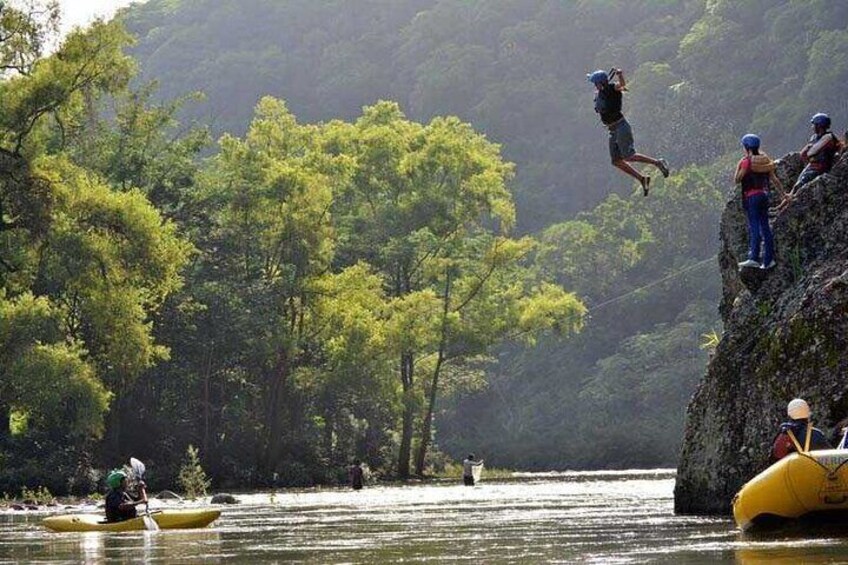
[167, 520]
[798, 485]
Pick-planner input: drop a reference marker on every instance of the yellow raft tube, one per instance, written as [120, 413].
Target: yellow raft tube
[802, 483]
[166, 519]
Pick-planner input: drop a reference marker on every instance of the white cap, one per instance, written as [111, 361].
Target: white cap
[798, 409]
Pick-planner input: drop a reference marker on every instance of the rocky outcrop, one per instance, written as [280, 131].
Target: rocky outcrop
[785, 335]
[224, 498]
[169, 495]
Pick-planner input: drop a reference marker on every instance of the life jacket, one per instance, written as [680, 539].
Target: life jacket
[608, 104]
[114, 512]
[823, 160]
[756, 179]
[783, 445]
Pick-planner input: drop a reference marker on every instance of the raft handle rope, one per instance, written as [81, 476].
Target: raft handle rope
[805, 452]
[795, 442]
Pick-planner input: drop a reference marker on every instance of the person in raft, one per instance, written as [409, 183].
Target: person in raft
[755, 173]
[794, 432]
[120, 505]
[608, 101]
[468, 469]
[356, 474]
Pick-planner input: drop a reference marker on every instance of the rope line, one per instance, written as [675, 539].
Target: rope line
[652, 284]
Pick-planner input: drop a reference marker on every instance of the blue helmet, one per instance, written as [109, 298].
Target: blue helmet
[598, 77]
[821, 120]
[751, 141]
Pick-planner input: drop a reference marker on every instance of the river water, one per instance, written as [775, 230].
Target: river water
[580, 517]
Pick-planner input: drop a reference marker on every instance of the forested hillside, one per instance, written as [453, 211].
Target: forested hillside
[701, 73]
[316, 272]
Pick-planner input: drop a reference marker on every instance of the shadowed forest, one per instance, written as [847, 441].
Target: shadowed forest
[294, 233]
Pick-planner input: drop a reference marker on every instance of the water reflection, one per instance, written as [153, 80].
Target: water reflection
[130, 547]
[562, 518]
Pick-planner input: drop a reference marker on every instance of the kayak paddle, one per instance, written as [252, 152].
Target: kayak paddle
[138, 470]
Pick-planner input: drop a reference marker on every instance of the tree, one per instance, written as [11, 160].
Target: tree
[271, 239]
[87, 265]
[424, 206]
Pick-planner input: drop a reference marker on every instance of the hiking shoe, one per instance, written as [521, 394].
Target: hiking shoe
[750, 263]
[646, 185]
[769, 266]
[662, 165]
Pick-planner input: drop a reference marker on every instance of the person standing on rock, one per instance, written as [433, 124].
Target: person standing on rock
[755, 173]
[793, 435]
[608, 102]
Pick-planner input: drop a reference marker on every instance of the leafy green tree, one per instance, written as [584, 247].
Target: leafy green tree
[82, 267]
[424, 206]
[272, 238]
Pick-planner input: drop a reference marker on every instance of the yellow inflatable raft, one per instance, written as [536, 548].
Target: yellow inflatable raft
[800, 484]
[167, 520]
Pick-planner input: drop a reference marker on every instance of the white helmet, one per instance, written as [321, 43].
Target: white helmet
[798, 409]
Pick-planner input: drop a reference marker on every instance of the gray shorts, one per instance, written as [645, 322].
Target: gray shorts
[621, 141]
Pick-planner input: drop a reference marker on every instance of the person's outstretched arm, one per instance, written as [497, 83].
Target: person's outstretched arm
[775, 182]
[621, 85]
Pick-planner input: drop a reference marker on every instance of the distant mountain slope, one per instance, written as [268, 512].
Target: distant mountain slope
[702, 72]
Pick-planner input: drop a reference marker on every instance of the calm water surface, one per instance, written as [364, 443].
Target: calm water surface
[600, 517]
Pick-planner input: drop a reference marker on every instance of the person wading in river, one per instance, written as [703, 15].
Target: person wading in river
[468, 469]
[357, 474]
[793, 434]
[608, 101]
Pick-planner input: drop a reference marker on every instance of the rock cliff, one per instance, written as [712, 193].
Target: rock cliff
[785, 335]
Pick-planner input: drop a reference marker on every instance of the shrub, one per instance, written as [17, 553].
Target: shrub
[192, 478]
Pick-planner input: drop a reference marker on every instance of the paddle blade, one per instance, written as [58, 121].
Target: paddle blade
[150, 524]
[137, 467]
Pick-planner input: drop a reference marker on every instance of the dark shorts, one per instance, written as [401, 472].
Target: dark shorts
[469, 481]
[808, 174]
[621, 141]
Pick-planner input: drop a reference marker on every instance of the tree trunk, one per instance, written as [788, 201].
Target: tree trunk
[427, 423]
[329, 425]
[206, 404]
[273, 425]
[406, 372]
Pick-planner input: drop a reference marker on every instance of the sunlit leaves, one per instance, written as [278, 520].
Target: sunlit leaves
[45, 381]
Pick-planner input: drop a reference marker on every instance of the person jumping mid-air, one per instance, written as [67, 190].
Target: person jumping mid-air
[622, 151]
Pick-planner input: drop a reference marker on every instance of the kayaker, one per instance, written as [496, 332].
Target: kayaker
[120, 505]
[608, 101]
[755, 173]
[799, 412]
[356, 474]
[468, 465]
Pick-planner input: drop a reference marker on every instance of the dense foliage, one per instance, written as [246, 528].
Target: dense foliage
[301, 293]
[316, 286]
[701, 73]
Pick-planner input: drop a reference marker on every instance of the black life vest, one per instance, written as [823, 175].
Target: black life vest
[608, 104]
